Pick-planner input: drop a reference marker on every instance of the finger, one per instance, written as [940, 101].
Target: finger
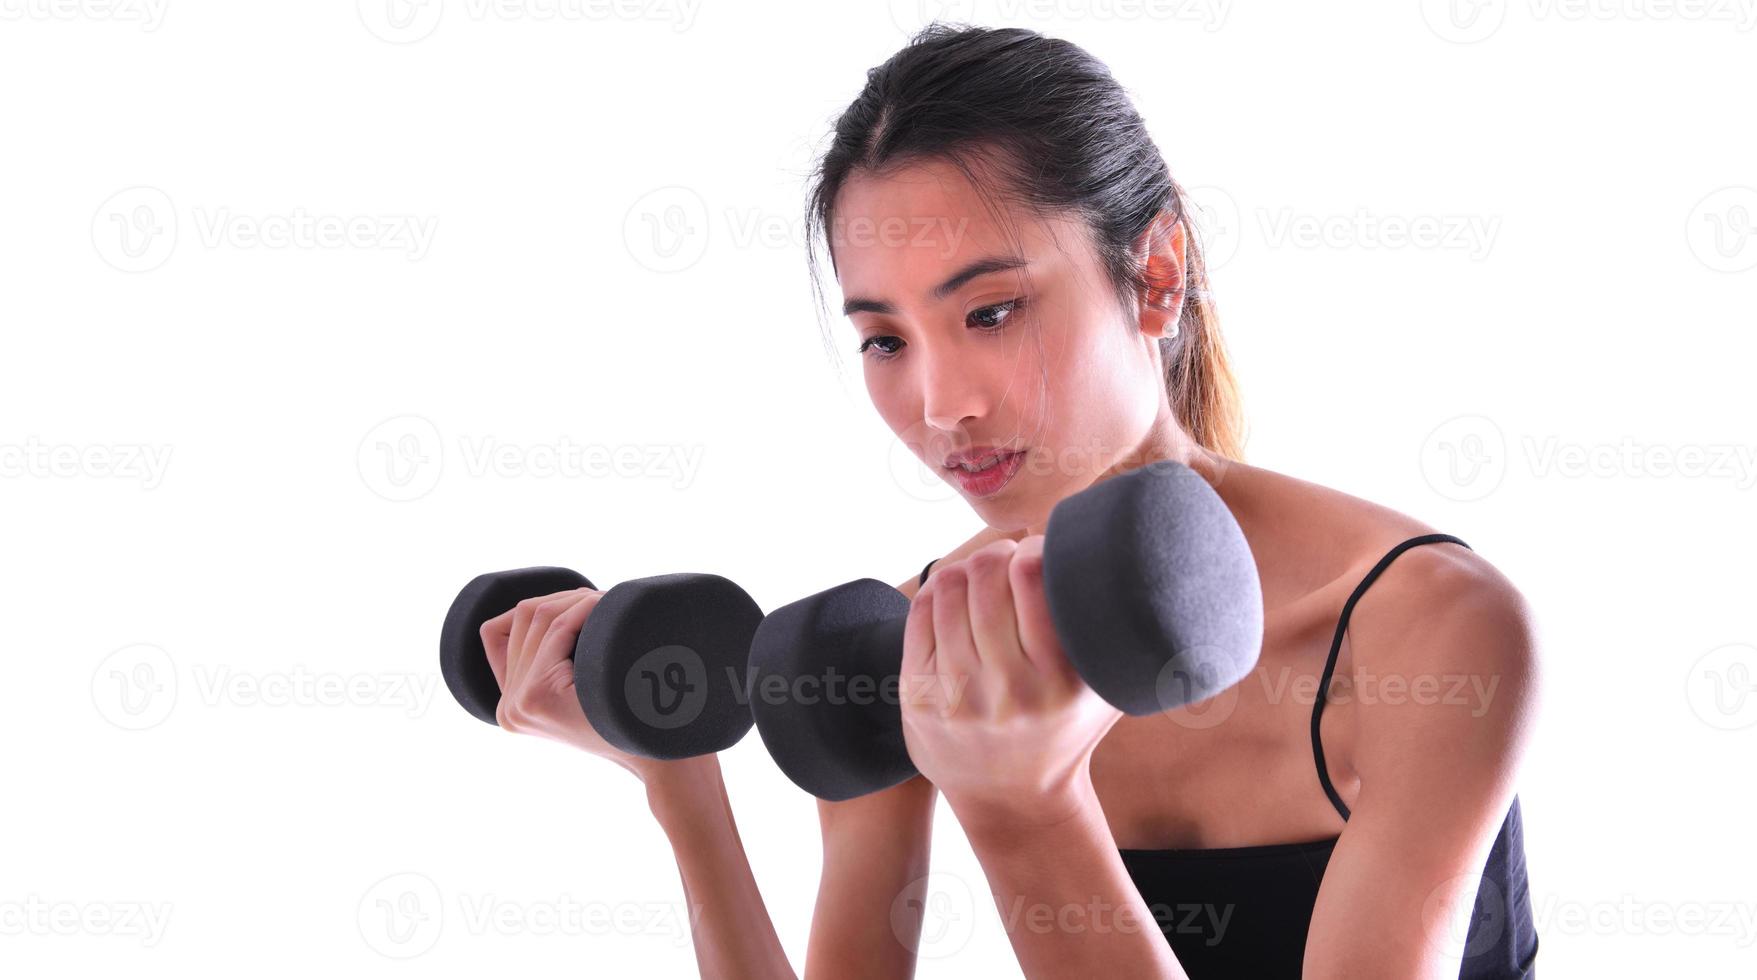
[955, 660]
[954, 646]
[920, 659]
[558, 643]
[1036, 629]
[993, 626]
[526, 633]
[495, 633]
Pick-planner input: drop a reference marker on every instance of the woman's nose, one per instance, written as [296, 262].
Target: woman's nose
[952, 394]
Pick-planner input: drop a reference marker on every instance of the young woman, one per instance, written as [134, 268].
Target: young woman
[1032, 311]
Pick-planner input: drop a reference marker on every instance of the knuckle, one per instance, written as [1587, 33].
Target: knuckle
[986, 564]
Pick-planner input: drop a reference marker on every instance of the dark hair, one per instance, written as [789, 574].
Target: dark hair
[1060, 134]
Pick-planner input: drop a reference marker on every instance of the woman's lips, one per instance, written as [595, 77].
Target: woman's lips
[988, 481]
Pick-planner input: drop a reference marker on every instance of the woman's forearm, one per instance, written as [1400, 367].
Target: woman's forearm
[1063, 893]
[867, 923]
[734, 937]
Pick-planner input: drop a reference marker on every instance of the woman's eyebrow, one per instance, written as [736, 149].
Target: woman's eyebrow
[980, 267]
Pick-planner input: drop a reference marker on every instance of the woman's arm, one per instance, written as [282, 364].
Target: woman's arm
[729, 925]
[1449, 649]
[1064, 896]
[867, 923]
[1002, 723]
[528, 648]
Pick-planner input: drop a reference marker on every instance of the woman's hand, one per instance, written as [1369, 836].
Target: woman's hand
[530, 649]
[993, 712]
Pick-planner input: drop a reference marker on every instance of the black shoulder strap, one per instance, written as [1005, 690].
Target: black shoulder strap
[1336, 648]
[924, 569]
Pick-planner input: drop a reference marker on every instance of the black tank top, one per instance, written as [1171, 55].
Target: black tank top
[1245, 911]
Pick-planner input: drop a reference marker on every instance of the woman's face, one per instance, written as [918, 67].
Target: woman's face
[975, 344]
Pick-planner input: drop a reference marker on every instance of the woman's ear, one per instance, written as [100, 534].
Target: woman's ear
[1161, 247]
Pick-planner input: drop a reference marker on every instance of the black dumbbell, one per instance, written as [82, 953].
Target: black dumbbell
[1151, 586]
[659, 665]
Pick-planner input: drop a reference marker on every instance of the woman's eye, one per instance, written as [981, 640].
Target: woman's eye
[990, 317]
[880, 342]
[985, 318]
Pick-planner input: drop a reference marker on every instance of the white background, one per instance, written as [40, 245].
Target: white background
[613, 258]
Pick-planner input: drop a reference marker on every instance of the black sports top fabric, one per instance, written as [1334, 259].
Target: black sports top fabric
[1244, 911]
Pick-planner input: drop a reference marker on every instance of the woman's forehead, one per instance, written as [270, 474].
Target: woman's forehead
[920, 223]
